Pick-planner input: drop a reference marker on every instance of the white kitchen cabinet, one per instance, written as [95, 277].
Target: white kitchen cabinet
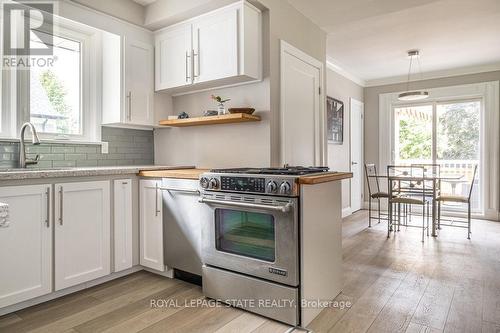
[26, 244]
[151, 224]
[173, 62]
[82, 232]
[220, 48]
[130, 104]
[123, 241]
[139, 88]
[215, 45]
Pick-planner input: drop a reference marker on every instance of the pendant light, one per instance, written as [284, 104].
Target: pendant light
[414, 95]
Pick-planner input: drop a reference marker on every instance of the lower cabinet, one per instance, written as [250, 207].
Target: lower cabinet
[82, 232]
[123, 241]
[25, 244]
[151, 224]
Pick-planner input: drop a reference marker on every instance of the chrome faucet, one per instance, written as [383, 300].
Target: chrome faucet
[23, 161]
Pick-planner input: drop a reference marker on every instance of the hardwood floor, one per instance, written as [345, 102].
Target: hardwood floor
[446, 284]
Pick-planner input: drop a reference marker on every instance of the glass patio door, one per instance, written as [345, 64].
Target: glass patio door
[446, 133]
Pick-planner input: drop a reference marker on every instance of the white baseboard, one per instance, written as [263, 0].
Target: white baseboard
[346, 211]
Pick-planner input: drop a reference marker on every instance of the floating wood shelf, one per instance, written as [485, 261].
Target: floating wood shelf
[211, 120]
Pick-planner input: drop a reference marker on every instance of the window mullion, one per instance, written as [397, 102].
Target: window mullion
[434, 133]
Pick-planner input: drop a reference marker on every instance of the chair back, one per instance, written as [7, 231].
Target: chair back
[473, 181]
[371, 178]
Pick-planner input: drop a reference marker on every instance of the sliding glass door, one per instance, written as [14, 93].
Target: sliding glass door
[445, 133]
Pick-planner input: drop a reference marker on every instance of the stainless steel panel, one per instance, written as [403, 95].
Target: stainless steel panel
[183, 217]
[262, 297]
[285, 267]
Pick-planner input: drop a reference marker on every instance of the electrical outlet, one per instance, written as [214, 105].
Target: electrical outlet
[4, 215]
[104, 147]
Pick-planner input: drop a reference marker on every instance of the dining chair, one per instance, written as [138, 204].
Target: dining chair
[459, 199]
[374, 191]
[407, 193]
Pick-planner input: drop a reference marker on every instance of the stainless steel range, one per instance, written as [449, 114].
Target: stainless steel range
[250, 248]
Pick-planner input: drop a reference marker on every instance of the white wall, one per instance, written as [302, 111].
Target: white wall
[124, 9]
[339, 159]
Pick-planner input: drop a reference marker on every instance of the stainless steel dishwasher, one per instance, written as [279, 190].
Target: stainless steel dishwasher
[183, 216]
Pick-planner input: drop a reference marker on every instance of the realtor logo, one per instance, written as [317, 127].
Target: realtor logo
[26, 21]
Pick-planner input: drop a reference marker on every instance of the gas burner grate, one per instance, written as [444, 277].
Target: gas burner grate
[293, 171]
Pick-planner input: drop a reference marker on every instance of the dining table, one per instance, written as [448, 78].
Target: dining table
[433, 179]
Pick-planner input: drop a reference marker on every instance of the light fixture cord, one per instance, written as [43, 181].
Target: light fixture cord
[409, 74]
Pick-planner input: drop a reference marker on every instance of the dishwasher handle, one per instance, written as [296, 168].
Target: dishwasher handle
[279, 208]
[181, 190]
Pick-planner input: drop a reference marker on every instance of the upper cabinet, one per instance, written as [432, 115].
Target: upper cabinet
[219, 48]
[128, 83]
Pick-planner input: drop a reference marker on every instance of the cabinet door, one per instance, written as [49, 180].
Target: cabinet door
[151, 225]
[26, 244]
[123, 224]
[82, 232]
[138, 83]
[173, 61]
[215, 40]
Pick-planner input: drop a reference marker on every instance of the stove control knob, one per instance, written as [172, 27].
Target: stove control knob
[213, 184]
[285, 188]
[204, 182]
[272, 187]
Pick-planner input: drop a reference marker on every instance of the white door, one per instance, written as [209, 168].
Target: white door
[123, 241]
[302, 139]
[173, 62]
[215, 44]
[139, 83]
[356, 119]
[26, 244]
[82, 232]
[151, 225]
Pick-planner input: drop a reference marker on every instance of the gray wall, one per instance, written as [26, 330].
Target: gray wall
[126, 147]
[339, 157]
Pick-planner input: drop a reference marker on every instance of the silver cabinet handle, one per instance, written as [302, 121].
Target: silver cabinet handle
[172, 189]
[354, 163]
[156, 200]
[284, 209]
[187, 65]
[61, 201]
[47, 217]
[197, 55]
[129, 111]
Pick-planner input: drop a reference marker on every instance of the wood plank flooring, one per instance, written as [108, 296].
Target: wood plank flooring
[446, 284]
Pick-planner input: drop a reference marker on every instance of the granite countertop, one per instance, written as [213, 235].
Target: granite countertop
[20, 174]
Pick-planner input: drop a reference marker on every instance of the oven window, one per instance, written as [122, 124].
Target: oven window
[245, 233]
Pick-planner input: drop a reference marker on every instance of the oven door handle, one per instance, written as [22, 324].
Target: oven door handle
[279, 208]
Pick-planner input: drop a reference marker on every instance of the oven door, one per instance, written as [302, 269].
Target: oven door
[253, 235]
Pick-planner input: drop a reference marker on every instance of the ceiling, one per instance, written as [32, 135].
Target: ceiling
[369, 38]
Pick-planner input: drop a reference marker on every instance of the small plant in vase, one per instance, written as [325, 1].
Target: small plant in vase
[220, 103]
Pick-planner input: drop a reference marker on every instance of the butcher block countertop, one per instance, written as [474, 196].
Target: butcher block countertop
[324, 177]
[179, 173]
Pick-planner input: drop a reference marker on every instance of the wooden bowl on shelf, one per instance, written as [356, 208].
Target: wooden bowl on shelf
[241, 110]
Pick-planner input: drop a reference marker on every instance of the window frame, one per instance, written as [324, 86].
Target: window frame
[15, 88]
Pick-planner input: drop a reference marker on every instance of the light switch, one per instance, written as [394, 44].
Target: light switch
[104, 148]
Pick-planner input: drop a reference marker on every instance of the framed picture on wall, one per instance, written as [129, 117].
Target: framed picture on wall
[335, 120]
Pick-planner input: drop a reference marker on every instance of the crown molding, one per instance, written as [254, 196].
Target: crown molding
[337, 68]
[436, 74]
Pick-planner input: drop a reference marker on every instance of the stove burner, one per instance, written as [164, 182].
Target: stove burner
[292, 171]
